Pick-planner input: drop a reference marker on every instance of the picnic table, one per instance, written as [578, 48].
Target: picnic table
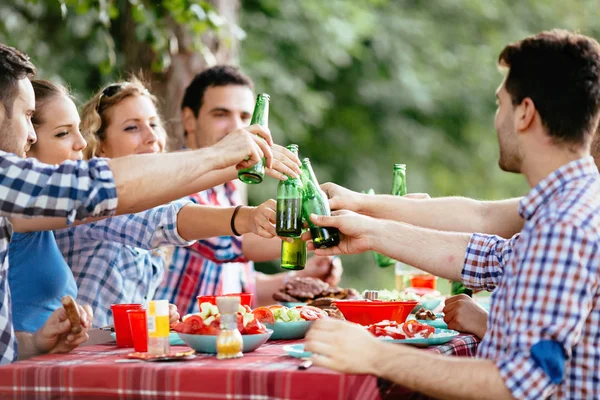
[98, 372]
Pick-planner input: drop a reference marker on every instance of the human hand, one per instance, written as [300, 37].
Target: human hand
[284, 163]
[245, 147]
[56, 336]
[463, 314]
[343, 346]
[341, 198]
[173, 315]
[357, 232]
[328, 269]
[261, 219]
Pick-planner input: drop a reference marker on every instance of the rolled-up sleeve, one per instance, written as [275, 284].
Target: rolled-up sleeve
[556, 281]
[148, 230]
[75, 189]
[485, 259]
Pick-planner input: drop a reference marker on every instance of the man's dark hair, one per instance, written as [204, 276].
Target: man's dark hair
[220, 75]
[560, 72]
[14, 66]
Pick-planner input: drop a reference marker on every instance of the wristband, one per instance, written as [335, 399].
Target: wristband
[232, 223]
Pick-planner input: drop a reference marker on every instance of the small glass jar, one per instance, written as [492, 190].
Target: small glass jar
[229, 341]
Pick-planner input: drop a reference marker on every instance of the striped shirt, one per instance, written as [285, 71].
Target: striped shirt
[73, 190]
[199, 269]
[544, 321]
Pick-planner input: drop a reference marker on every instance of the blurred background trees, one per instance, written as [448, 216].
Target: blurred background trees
[359, 85]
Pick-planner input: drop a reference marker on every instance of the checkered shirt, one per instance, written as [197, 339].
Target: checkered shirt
[547, 287]
[113, 260]
[73, 190]
[197, 270]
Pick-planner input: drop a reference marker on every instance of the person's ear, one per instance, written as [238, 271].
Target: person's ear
[189, 121]
[525, 114]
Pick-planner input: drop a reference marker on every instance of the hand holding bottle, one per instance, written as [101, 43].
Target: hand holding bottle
[341, 198]
[285, 163]
[245, 147]
[359, 232]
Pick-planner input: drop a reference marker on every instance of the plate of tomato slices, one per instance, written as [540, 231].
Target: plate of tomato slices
[411, 332]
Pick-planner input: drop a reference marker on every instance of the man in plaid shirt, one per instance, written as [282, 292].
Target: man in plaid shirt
[218, 100]
[78, 190]
[543, 336]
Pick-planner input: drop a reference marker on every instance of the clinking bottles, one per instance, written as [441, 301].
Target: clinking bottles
[314, 201]
[260, 116]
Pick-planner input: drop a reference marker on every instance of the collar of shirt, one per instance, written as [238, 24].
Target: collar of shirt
[544, 190]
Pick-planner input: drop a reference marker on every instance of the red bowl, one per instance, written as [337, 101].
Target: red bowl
[245, 299]
[367, 312]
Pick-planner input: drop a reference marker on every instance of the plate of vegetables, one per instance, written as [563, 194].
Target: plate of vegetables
[200, 331]
[288, 323]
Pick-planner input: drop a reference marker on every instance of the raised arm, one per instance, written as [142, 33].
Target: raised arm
[78, 189]
[458, 214]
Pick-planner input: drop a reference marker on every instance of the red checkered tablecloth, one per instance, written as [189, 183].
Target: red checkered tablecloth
[267, 373]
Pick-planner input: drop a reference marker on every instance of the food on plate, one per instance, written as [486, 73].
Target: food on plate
[316, 293]
[208, 321]
[72, 313]
[300, 313]
[398, 331]
[424, 314]
[408, 294]
[303, 290]
[264, 315]
[326, 304]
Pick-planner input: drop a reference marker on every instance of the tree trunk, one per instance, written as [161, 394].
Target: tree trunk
[169, 86]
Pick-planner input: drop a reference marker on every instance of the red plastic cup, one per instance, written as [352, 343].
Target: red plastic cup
[423, 281]
[245, 299]
[122, 328]
[139, 329]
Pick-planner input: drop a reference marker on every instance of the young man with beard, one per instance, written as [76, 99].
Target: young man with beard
[543, 336]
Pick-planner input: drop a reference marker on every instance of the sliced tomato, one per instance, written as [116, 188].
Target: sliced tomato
[254, 327]
[193, 324]
[212, 329]
[264, 315]
[177, 327]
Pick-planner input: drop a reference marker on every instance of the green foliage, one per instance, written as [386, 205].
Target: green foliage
[363, 85]
[85, 44]
[359, 85]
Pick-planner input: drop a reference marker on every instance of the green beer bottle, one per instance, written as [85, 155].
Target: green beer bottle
[398, 189]
[293, 255]
[256, 173]
[459, 288]
[314, 201]
[289, 204]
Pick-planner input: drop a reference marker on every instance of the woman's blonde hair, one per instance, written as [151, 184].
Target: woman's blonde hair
[95, 115]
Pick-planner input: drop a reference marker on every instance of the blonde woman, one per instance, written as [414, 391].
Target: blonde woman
[112, 260]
